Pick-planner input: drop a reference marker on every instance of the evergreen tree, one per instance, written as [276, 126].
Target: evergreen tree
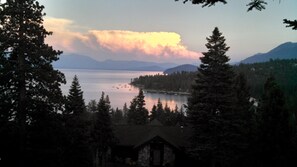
[92, 106]
[167, 116]
[243, 125]
[158, 112]
[75, 104]
[153, 113]
[117, 116]
[137, 113]
[275, 132]
[131, 114]
[210, 103]
[29, 85]
[102, 136]
[181, 117]
[76, 149]
[160, 109]
[125, 110]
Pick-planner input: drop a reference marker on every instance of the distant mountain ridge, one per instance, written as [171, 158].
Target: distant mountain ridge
[286, 50]
[181, 68]
[84, 62]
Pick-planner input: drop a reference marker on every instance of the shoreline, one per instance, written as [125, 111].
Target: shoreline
[166, 92]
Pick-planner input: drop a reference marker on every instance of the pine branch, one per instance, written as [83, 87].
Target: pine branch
[256, 4]
[205, 2]
[290, 23]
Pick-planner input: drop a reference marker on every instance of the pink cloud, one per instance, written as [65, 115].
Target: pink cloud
[160, 44]
[63, 38]
[157, 44]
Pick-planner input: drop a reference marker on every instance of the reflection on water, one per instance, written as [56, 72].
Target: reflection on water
[115, 84]
[170, 100]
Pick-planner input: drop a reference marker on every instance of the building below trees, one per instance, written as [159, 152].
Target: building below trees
[152, 144]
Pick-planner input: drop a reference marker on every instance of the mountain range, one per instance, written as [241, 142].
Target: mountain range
[181, 68]
[286, 50]
[84, 62]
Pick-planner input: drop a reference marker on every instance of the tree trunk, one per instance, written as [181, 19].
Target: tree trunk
[21, 108]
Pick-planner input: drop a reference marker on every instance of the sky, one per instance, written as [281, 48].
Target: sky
[164, 30]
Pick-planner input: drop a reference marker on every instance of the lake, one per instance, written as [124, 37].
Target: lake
[115, 84]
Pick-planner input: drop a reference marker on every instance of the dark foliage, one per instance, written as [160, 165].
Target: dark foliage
[117, 116]
[157, 111]
[101, 132]
[176, 82]
[275, 134]
[75, 103]
[210, 105]
[256, 4]
[137, 113]
[29, 86]
[290, 23]
[204, 2]
[76, 147]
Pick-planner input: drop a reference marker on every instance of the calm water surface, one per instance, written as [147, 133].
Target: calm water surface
[115, 84]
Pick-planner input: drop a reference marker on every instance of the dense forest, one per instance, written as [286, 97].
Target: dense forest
[256, 74]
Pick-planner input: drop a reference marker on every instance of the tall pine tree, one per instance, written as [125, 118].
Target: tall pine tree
[28, 83]
[102, 136]
[275, 131]
[210, 103]
[137, 113]
[75, 103]
[76, 148]
[157, 111]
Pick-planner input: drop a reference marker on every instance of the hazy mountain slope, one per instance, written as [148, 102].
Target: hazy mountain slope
[286, 50]
[76, 62]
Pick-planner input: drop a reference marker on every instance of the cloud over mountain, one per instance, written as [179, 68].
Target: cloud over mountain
[164, 44]
[161, 45]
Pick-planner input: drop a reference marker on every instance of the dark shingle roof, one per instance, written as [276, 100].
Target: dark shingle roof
[137, 135]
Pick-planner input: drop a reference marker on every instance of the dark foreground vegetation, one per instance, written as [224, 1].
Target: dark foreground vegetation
[40, 127]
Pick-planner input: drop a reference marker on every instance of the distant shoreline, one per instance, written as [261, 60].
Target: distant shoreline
[166, 92]
[161, 91]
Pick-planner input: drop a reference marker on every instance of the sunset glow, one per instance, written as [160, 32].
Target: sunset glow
[150, 43]
[63, 37]
[156, 44]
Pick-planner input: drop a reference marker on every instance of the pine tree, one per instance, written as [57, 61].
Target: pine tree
[125, 110]
[160, 109]
[275, 131]
[75, 104]
[181, 117]
[242, 123]
[211, 101]
[137, 113]
[159, 114]
[153, 113]
[28, 83]
[92, 106]
[102, 135]
[116, 116]
[131, 114]
[76, 150]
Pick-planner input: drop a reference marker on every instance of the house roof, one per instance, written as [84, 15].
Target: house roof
[137, 135]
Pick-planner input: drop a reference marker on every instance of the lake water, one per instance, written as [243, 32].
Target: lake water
[115, 84]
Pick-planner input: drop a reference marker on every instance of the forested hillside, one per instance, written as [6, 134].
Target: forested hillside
[284, 71]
